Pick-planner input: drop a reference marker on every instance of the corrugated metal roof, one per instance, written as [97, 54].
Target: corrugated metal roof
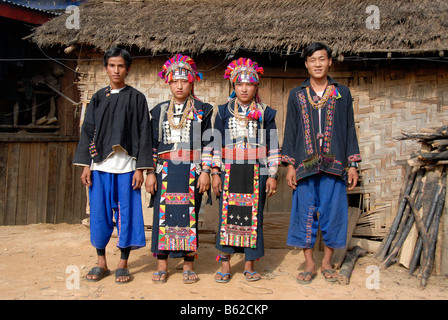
[45, 6]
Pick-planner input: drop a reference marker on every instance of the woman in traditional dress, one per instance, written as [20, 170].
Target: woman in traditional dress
[182, 168]
[245, 161]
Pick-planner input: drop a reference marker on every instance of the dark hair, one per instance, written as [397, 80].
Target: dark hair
[115, 52]
[313, 47]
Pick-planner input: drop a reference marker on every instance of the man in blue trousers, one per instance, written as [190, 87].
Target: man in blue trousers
[319, 145]
[115, 148]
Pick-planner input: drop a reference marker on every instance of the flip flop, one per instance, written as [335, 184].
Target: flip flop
[160, 274]
[122, 272]
[251, 273]
[330, 272]
[305, 274]
[188, 280]
[223, 275]
[99, 272]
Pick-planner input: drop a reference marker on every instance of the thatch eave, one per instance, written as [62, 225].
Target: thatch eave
[408, 27]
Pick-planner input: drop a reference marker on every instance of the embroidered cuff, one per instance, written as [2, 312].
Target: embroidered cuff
[216, 159]
[207, 157]
[288, 160]
[354, 158]
[154, 156]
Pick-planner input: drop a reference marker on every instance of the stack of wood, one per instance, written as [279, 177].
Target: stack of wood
[413, 234]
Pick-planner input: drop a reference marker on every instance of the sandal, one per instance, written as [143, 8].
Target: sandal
[252, 277]
[331, 272]
[160, 274]
[122, 272]
[187, 275]
[99, 272]
[305, 274]
[223, 275]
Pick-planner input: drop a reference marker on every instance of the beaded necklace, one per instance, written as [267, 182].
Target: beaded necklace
[185, 114]
[323, 101]
[244, 118]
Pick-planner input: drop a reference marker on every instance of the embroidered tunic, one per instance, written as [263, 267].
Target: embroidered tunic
[329, 149]
[246, 151]
[177, 200]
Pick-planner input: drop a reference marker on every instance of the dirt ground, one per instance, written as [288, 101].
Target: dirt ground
[47, 261]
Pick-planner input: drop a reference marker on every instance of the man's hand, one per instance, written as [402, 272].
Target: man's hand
[151, 183]
[352, 178]
[85, 176]
[291, 177]
[137, 179]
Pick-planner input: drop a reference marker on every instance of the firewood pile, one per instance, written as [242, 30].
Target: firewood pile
[413, 235]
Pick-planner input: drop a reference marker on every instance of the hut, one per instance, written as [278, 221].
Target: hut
[391, 55]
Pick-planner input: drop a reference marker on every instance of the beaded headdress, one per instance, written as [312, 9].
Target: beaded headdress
[180, 67]
[243, 70]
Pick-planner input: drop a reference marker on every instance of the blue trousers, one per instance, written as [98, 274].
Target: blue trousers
[327, 195]
[112, 195]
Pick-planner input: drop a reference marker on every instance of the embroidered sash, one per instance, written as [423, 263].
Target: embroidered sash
[240, 205]
[177, 214]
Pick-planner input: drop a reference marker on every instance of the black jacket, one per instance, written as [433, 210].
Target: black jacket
[116, 119]
[300, 145]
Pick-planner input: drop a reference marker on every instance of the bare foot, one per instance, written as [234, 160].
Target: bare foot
[189, 275]
[225, 270]
[328, 272]
[123, 264]
[102, 264]
[308, 274]
[249, 272]
[160, 275]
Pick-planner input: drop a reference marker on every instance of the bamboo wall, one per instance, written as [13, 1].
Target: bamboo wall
[388, 97]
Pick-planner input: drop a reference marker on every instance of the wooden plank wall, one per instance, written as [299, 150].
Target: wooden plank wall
[39, 184]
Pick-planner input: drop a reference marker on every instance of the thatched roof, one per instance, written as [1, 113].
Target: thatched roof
[156, 26]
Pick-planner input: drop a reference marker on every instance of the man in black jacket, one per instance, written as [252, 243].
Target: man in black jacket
[115, 148]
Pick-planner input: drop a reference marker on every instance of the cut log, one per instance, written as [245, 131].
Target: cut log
[402, 235]
[428, 257]
[421, 136]
[428, 219]
[412, 188]
[339, 254]
[370, 246]
[434, 156]
[385, 244]
[418, 221]
[349, 263]
[439, 143]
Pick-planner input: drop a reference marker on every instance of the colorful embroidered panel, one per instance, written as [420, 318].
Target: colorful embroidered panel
[240, 205]
[177, 214]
